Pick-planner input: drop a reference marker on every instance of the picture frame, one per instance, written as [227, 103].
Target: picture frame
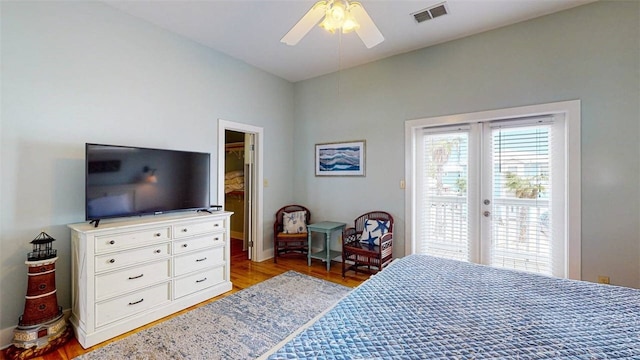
[345, 158]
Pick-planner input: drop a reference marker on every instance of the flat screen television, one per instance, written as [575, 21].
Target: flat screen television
[126, 181]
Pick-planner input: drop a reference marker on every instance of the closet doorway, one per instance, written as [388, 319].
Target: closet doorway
[237, 188]
[240, 186]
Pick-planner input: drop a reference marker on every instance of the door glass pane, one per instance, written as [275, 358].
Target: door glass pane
[521, 226]
[442, 204]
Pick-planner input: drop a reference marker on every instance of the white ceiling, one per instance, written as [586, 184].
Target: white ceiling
[251, 30]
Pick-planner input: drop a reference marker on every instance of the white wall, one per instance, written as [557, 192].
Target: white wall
[76, 72]
[591, 53]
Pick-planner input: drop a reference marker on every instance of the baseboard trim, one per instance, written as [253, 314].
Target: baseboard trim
[236, 235]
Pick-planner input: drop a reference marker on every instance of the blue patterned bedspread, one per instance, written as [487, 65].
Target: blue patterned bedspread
[421, 307]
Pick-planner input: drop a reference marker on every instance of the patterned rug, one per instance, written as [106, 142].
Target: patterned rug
[243, 325]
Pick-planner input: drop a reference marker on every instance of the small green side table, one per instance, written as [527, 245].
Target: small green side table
[326, 227]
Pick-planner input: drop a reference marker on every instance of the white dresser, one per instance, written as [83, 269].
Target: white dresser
[128, 273]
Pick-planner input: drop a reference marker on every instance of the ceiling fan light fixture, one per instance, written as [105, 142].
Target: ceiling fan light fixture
[336, 11]
[338, 17]
[350, 24]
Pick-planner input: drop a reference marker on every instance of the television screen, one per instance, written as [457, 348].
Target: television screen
[125, 181]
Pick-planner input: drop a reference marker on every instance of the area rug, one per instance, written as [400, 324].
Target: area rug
[243, 325]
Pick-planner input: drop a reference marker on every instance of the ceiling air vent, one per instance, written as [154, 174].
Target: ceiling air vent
[431, 12]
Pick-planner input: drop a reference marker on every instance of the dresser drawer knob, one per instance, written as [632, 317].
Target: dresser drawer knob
[184, 230]
[216, 225]
[203, 259]
[111, 261]
[157, 234]
[216, 238]
[185, 245]
[136, 277]
[158, 251]
[136, 302]
[112, 242]
[201, 280]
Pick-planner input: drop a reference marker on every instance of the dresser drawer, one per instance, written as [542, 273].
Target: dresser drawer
[197, 243]
[118, 308]
[122, 281]
[195, 228]
[117, 260]
[196, 282]
[185, 264]
[132, 239]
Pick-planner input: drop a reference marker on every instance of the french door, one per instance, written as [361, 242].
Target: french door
[493, 193]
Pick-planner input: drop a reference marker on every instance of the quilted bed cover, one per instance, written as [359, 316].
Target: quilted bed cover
[422, 307]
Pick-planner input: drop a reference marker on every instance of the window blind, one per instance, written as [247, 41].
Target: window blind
[521, 218]
[443, 201]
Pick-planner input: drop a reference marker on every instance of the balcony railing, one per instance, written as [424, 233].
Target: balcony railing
[520, 228]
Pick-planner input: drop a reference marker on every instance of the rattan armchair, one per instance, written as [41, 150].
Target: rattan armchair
[357, 254]
[284, 243]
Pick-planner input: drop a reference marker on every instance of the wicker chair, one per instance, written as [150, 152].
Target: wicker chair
[289, 244]
[356, 254]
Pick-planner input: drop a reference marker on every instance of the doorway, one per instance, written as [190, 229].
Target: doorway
[237, 189]
[240, 185]
[499, 187]
[516, 183]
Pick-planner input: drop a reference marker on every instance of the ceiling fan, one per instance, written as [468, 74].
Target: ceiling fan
[339, 15]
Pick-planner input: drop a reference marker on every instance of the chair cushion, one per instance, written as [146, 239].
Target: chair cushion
[373, 231]
[302, 235]
[294, 223]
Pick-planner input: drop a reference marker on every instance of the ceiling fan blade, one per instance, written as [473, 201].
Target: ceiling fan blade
[308, 21]
[368, 31]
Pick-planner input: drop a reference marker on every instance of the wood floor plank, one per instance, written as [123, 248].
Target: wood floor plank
[244, 273]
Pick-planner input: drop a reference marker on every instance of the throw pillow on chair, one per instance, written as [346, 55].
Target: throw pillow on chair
[373, 231]
[294, 223]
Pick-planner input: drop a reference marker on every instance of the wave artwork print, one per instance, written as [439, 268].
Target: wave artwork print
[340, 159]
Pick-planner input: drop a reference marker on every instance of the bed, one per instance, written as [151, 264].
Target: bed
[422, 307]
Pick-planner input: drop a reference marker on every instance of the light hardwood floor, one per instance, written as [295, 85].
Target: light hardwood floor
[244, 273]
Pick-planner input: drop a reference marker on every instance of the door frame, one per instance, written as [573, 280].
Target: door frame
[570, 110]
[257, 250]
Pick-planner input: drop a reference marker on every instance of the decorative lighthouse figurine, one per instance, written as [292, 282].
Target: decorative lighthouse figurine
[42, 327]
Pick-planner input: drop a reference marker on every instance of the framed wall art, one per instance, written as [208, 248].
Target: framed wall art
[340, 158]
